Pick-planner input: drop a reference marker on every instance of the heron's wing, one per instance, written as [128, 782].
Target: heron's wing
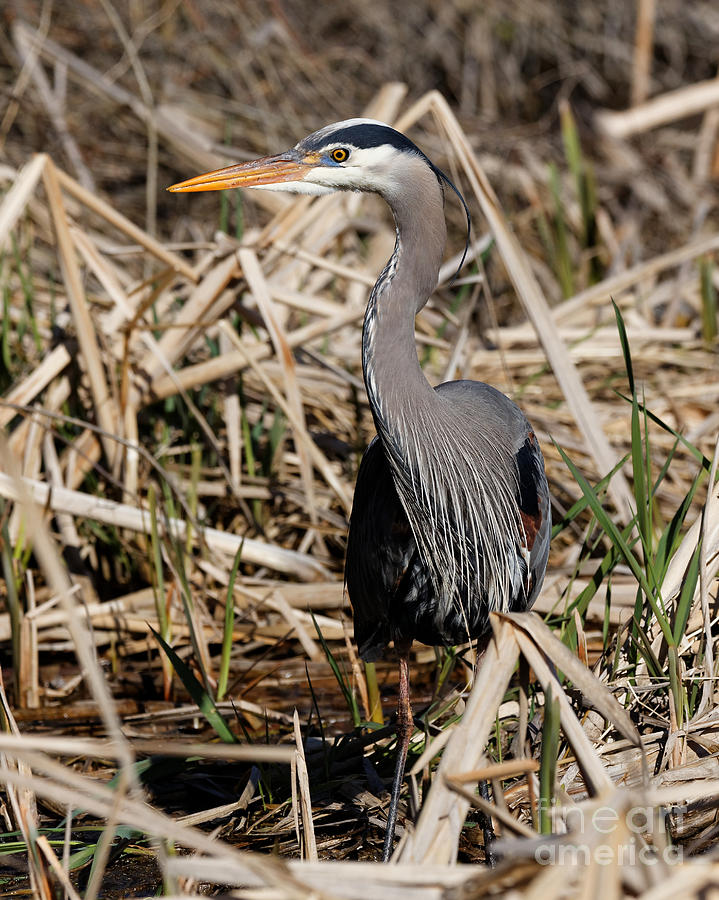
[392, 591]
[517, 453]
[382, 563]
[534, 510]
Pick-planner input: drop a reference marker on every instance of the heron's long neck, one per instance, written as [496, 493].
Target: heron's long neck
[396, 386]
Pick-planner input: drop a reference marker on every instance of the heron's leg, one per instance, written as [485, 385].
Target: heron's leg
[485, 821]
[490, 857]
[405, 725]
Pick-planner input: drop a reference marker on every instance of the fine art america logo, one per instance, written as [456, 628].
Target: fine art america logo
[607, 836]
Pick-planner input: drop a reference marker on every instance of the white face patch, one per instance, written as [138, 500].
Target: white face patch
[366, 169]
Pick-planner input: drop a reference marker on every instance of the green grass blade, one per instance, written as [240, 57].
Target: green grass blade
[223, 677]
[619, 542]
[677, 687]
[5, 325]
[606, 621]
[548, 765]
[709, 300]
[81, 858]
[639, 476]
[562, 260]
[347, 692]
[639, 452]
[204, 701]
[626, 353]
[158, 583]
[686, 596]
[373, 694]
[644, 646]
[671, 536]
[583, 180]
[13, 601]
[192, 498]
[578, 507]
[177, 559]
[696, 453]
[583, 599]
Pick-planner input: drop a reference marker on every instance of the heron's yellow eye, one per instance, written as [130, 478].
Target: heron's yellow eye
[339, 154]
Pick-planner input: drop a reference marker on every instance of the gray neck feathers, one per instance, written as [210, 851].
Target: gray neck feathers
[395, 383]
[432, 449]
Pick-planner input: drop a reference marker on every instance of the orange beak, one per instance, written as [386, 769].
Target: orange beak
[285, 167]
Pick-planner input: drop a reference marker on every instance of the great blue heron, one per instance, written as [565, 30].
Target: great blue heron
[451, 518]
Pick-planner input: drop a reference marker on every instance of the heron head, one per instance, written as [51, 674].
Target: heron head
[353, 155]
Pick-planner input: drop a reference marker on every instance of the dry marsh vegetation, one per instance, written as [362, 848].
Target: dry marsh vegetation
[183, 414]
